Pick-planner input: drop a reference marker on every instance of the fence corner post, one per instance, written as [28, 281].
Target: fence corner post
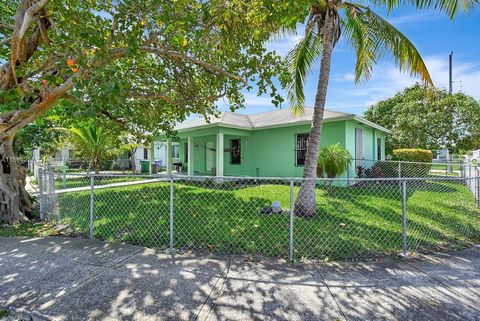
[41, 199]
[292, 205]
[404, 219]
[171, 247]
[92, 204]
[477, 179]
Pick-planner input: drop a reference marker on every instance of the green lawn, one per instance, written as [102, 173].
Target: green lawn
[82, 181]
[350, 221]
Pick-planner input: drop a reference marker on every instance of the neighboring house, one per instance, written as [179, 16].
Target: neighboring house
[475, 156]
[269, 144]
[65, 156]
[159, 154]
[441, 155]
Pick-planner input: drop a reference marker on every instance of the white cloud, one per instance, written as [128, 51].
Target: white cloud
[415, 18]
[349, 76]
[283, 44]
[386, 81]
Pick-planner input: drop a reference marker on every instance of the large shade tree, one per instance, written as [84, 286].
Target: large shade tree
[372, 38]
[144, 64]
[420, 119]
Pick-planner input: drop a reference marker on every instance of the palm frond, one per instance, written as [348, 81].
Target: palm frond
[450, 7]
[300, 61]
[373, 38]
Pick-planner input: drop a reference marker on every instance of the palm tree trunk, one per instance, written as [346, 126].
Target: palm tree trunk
[305, 204]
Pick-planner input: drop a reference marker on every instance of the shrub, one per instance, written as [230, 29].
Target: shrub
[333, 160]
[413, 155]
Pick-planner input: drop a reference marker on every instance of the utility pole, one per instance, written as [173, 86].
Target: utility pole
[450, 80]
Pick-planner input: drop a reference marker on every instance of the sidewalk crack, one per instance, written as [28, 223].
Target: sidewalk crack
[210, 295]
[331, 293]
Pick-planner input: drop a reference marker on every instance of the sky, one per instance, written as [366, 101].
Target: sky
[433, 34]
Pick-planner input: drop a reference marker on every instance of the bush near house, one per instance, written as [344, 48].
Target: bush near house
[413, 155]
[333, 160]
[416, 155]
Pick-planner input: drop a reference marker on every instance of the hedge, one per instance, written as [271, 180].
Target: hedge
[413, 155]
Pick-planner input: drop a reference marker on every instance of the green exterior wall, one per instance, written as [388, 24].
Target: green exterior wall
[271, 152]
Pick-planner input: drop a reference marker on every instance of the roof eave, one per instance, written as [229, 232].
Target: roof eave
[371, 124]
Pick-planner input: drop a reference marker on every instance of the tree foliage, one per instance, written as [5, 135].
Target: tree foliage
[146, 64]
[422, 119]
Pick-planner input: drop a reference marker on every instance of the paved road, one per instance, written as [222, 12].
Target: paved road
[76, 279]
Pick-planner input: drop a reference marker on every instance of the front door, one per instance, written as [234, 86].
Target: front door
[209, 157]
[358, 147]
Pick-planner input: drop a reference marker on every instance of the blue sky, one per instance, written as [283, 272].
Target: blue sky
[434, 35]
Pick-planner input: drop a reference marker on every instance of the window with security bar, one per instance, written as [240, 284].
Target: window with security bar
[301, 149]
[235, 151]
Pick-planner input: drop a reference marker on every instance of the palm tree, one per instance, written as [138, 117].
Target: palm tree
[94, 143]
[333, 160]
[372, 38]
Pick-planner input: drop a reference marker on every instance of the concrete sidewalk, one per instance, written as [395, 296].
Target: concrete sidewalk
[76, 279]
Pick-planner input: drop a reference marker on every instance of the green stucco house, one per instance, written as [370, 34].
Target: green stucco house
[269, 144]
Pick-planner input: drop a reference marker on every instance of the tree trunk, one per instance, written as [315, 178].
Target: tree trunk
[305, 204]
[15, 204]
[132, 160]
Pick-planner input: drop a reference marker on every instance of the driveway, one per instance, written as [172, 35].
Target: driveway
[76, 279]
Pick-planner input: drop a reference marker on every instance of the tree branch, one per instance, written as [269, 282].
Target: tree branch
[5, 41]
[20, 118]
[182, 102]
[28, 17]
[121, 52]
[7, 26]
[205, 65]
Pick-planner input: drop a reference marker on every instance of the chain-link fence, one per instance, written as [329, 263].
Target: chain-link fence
[352, 217]
[367, 168]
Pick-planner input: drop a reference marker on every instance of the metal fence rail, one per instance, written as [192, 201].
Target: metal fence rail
[354, 217]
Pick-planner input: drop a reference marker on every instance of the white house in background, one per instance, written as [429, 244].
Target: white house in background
[122, 162]
[441, 155]
[475, 156]
[159, 156]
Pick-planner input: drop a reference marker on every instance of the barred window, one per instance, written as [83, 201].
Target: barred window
[301, 149]
[185, 149]
[235, 153]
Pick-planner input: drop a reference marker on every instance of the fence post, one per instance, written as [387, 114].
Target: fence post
[64, 178]
[92, 203]
[399, 169]
[40, 194]
[477, 180]
[404, 218]
[292, 204]
[171, 216]
[51, 188]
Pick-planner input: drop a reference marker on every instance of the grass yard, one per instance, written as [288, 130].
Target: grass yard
[350, 221]
[82, 181]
